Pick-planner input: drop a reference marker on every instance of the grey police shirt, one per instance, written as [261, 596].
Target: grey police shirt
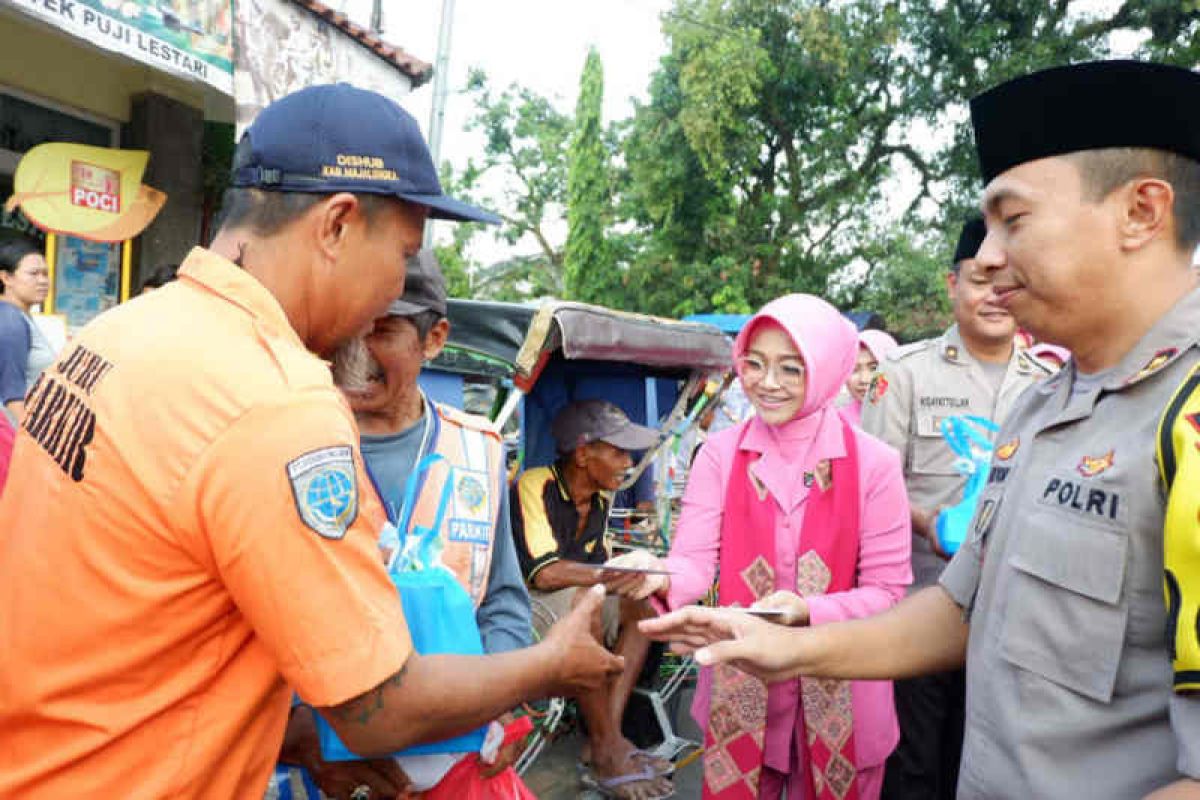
[917, 387]
[1069, 683]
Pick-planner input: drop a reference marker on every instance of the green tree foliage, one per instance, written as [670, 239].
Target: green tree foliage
[588, 269]
[521, 174]
[818, 145]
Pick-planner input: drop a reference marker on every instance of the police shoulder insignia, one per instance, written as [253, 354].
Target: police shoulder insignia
[879, 387]
[1007, 450]
[325, 488]
[984, 517]
[1156, 362]
[1091, 466]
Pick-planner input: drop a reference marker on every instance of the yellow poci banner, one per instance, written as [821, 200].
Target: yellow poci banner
[94, 193]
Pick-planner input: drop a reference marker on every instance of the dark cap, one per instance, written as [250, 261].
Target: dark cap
[424, 287]
[587, 421]
[1085, 107]
[338, 138]
[970, 239]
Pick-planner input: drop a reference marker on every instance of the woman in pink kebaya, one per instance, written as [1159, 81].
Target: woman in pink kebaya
[873, 348]
[805, 514]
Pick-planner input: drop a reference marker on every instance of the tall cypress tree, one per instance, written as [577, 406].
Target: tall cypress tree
[587, 262]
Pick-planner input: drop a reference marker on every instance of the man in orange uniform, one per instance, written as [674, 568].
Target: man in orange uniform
[184, 533]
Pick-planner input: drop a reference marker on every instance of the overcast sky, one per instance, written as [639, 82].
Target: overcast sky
[540, 44]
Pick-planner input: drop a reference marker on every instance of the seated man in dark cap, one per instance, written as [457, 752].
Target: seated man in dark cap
[559, 518]
[1073, 601]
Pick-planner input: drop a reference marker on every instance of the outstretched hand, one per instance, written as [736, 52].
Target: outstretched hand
[580, 663]
[793, 606]
[730, 636]
[634, 585]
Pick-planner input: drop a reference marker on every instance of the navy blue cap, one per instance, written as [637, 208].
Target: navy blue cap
[339, 138]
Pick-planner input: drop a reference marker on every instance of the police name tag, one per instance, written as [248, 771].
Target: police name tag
[325, 488]
[470, 520]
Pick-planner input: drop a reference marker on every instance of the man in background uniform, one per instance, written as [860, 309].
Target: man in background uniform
[972, 368]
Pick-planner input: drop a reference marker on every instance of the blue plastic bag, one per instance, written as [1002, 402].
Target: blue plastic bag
[970, 439]
[439, 612]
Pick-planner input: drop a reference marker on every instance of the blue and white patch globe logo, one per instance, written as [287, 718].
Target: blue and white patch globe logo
[472, 494]
[331, 496]
[326, 490]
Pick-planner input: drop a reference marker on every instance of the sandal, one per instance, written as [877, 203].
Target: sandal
[663, 768]
[612, 787]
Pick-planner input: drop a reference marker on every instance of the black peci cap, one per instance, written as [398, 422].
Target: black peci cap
[1086, 107]
[974, 231]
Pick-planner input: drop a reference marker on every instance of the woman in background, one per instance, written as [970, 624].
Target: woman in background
[24, 349]
[873, 348]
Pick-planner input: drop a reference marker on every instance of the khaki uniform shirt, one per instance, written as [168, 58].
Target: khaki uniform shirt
[917, 387]
[1069, 684]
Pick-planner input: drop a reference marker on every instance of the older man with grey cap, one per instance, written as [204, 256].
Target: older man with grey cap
[559, 519]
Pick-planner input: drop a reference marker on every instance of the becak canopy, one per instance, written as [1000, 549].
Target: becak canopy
[94, 193]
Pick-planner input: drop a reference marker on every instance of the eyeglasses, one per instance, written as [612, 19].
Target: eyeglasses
[753, 369]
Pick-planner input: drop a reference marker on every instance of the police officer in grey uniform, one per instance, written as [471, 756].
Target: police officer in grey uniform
[973, 368]
[1056, 599]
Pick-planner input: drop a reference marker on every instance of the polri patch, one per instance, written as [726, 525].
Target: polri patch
[472, 507]
[325, 488]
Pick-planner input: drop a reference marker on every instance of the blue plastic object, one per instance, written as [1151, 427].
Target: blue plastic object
[438, 610]
[970, 437]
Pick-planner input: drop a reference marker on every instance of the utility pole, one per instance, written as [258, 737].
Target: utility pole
[441, 77]
[377, 17]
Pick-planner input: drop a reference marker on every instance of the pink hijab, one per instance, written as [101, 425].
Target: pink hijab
[879, 344]
[827, 341]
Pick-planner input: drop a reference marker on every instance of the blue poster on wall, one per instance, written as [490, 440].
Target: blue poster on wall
[87, 279]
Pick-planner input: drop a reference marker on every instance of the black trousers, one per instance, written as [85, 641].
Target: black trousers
[925, 763]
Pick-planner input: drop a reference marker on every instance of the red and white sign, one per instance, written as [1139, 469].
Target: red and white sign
[95, 187]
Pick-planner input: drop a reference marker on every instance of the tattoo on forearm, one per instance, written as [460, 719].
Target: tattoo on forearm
[363, 708]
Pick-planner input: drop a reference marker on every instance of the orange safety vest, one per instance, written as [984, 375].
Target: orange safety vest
[474, 470]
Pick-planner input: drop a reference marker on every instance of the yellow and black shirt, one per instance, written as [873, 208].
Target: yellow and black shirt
[544, 521]
[1179, 464]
